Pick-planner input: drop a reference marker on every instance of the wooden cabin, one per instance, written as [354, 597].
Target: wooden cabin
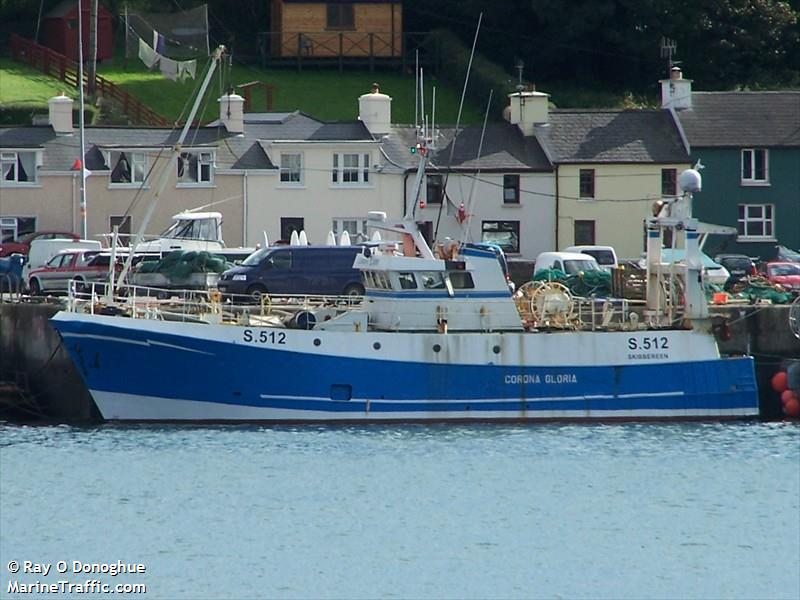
[355, 28]
[60, 29]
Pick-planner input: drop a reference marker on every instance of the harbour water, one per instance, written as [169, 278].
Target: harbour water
[480, 511]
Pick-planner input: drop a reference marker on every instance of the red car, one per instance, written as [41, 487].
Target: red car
[23, 244]
[84, 266]
[785, 274]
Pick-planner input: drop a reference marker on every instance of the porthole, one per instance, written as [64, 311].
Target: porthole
[437, 348]
[496, 349]
[377, 345]
[317, 341]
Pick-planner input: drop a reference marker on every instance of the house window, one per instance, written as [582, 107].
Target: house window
[291, 168]
[757, 221]
[124, 228]
[669, 182]
[350, 169]
[13, 228]
[587, 183]
[434, 189]
[195, 168]
[357, 228]
[127, 167]
[17, 167]
[340, 16]
[584, 233]
[755, 167]
[510, 189]
[503, 233]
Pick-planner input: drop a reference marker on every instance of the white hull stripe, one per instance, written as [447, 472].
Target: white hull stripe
[482, 400]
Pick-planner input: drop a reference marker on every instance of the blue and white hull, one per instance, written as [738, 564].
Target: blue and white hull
[150, 370]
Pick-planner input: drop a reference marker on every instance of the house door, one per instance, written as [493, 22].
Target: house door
[290, 224]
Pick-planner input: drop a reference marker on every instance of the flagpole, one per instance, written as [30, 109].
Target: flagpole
[84, 231]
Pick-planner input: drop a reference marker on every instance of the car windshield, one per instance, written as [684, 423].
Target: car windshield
[603, 257]
[787, 269]
[256, 257]
[571, 267]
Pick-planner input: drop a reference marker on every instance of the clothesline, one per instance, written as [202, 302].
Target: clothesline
[176, 70]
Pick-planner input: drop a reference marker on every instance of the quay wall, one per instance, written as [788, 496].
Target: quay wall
[31, 352]
[31, 355]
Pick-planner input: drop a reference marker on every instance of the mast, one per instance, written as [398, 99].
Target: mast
[84, 228]
[176, 150]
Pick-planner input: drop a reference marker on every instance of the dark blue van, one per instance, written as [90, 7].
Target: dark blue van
[318, 270]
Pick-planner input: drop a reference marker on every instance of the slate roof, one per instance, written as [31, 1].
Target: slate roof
[232, 151]
[612, 136]
[739, 119]
[504, 148]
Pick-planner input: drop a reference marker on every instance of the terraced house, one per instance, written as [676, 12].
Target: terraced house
[749, 144]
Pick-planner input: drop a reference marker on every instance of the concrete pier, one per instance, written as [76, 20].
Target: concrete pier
[41, 382]
[38, 379]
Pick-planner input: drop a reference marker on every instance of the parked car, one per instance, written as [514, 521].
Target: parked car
[785, 274]
[570, 263]
[85, 266]
[713, 272]
[605, 256]
[323, 270]
[739, 266]
[21, 246]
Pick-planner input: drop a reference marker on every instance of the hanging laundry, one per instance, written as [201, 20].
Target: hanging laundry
[147, 55]
[169, 68]
[186, 69]
[159, 43]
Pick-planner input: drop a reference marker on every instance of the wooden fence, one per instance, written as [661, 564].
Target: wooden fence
[57, 65]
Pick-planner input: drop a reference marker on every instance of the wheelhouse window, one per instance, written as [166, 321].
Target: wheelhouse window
[586, 183]
[127, 168]
[434, 189]
[195, 168]
[17, 167]
[292, 168]
[407, 281]
[584, 233]
[755, 166]
[503, 233]
[510, 189]
[669, 182]
[432, 280]
[461, 280]
[340, 16]
[756, 221]
[350, 169]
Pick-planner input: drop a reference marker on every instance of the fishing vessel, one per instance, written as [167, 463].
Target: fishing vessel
[438, 336]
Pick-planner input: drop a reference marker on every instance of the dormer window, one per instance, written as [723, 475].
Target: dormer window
[755, 166]
[195, 168]
[127, 168]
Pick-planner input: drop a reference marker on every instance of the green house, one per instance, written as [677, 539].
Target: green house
[749, 146]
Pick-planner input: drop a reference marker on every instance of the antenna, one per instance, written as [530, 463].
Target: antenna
[519, 66]
[669, 48]
[416, 89]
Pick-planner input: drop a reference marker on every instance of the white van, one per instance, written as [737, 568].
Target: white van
[605, 256]
[569, 262]
[43, 250]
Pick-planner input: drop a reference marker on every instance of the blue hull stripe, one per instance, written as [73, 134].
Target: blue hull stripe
[151, 364]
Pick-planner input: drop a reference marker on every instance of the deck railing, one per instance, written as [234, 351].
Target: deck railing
[57, 65]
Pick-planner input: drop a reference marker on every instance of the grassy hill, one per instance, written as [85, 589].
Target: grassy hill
[328, 95]
[325, 94]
